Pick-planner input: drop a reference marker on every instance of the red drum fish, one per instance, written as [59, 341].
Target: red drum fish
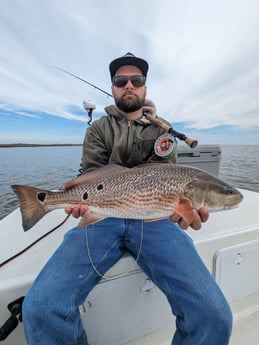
[149, 192]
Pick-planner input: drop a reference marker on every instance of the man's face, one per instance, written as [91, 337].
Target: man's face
[129, 98]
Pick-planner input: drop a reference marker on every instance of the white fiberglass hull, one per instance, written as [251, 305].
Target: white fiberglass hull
[129, 308]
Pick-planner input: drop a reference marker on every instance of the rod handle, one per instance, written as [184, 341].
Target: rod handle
[189, 141]
[157, 121]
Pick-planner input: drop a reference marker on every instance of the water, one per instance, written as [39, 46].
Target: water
[50, 167]
[43, 167]
[240, 166]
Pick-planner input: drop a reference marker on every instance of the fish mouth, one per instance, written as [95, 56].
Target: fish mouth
[224, 208]
[230, 207]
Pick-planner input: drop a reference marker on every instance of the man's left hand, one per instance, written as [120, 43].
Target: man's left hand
[199, 216]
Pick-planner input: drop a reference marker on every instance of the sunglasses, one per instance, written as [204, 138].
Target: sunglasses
[122, 80]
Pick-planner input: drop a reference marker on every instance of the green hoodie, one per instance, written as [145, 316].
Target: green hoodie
[114, 140]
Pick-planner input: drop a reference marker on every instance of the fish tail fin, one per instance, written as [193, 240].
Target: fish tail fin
[31, 204]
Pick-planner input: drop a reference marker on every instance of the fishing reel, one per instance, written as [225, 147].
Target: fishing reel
[162, 123]
[165, 145]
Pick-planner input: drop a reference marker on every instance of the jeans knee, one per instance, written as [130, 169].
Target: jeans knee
[219, 319]
[27, 308]
[225, 319]
[33, 307]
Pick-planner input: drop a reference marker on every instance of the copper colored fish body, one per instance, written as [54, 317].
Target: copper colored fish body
[148, 192]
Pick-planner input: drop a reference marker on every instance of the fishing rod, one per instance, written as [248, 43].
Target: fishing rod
[169, 129]
[85, 81]
[159, 122]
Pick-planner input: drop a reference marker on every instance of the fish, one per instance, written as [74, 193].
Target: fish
[148, 192]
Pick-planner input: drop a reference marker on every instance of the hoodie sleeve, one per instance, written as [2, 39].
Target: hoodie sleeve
[95, 154]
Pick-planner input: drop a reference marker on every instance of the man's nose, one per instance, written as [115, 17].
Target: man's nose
[129, 85]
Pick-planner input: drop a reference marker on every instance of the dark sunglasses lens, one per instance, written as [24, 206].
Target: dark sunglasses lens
[120, 81]
[136, 80]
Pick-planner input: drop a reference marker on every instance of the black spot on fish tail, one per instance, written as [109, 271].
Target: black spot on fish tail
[42, 196]
[99, 187]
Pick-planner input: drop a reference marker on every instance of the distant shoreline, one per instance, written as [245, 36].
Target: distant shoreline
[35, 145]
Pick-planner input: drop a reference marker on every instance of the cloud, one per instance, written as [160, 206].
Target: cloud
[203, 55]
[212, 67]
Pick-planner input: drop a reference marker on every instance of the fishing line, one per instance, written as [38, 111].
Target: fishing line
[33, 243]
[90, 256]
[130, 268]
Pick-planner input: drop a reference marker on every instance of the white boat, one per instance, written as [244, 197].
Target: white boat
[126, 307]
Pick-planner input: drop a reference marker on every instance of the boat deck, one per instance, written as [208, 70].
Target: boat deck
[245, 331]
[148, 317]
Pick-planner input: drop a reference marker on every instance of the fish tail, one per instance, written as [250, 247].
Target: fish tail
[31, 204]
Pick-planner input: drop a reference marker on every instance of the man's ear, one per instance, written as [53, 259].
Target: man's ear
[112, 88]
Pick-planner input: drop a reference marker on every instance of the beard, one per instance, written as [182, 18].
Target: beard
[129, 104]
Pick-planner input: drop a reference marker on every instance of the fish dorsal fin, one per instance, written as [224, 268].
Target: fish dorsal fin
[104, 171]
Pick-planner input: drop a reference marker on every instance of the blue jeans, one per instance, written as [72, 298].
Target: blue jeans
[168, 257]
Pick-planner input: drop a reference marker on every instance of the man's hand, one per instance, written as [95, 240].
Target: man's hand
[77, 210]
[199, 216]
[149, 107]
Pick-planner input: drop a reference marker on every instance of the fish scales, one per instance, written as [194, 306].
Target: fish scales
[149, 192]
[124, 195]
[137, 192]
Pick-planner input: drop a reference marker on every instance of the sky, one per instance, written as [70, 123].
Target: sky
[203, 57]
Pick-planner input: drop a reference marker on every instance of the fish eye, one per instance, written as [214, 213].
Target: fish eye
[230, 192]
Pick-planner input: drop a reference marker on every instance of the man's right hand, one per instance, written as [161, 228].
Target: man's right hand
[78, 211]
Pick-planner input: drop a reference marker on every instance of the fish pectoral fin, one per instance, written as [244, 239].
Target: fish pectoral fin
[185, 210]
[91, 219]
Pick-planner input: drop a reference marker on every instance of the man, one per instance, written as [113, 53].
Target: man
[165, 253]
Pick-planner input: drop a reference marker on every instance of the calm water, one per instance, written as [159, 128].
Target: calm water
[50, 167]
[240, 166]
